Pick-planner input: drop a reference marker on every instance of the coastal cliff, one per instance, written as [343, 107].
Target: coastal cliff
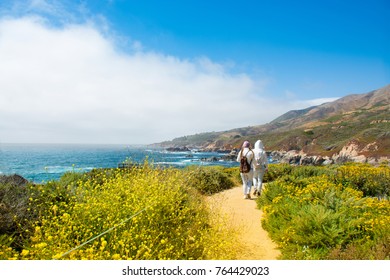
[353, 128]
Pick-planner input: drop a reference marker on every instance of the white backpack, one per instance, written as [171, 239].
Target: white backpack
[259, 159]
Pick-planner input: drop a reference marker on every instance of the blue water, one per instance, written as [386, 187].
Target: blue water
[44, 162]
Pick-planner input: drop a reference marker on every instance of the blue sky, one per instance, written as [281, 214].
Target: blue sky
[337, 47]
[146, 71]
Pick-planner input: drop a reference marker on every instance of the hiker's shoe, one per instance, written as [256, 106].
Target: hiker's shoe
[255, 192]
[247, 196]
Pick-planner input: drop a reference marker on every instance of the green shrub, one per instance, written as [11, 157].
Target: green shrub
[208, 180]
[311, 171]
[15, 213]
[362, 250]
[318, 218]
[233, 173]
[276, 171]
[372, 181]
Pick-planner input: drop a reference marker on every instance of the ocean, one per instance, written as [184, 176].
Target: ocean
[41, 163]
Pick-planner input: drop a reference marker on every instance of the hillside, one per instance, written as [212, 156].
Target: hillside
[355, 125]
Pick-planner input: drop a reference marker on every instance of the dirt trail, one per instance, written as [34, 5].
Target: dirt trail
[245, 216]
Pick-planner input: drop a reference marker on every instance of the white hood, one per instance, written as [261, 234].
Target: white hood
[259, 145]
[261, 161]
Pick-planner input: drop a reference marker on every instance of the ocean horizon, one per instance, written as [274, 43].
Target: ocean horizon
[41, 163]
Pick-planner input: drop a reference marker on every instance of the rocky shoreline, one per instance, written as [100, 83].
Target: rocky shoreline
[300, 158]
[349, 153]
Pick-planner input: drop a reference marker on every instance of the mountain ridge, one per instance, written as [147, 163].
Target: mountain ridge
[361, 120]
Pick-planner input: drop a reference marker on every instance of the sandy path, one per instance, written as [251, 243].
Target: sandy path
[245, 216]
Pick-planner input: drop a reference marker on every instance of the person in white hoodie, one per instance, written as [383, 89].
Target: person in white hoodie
[260, 166]
[247, 177]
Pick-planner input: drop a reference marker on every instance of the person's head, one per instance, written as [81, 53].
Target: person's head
[259, 145]
[246, 144]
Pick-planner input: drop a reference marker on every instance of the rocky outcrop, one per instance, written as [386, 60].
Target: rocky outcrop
[178, 149]
[352, 152]
[211, 159]
[14, 180]
[299, 158]
[356, 152]
[232, 156]
[13, 202]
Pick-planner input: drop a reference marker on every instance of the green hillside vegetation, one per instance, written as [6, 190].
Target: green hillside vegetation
[322, 130]
[194, 140]
[333, 133]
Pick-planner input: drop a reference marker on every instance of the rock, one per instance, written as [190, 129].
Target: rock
[15, 180]
[331, 147]
[211, 159]
[328, 161]
[229, 157]
[13, 202]
[291, 157]
[306, 160]
[350, 150]
[360, 158]
[340, 159]
[276, 156]
[178, 149]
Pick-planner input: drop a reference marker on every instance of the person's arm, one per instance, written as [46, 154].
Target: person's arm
[239, 156]
[265, 161]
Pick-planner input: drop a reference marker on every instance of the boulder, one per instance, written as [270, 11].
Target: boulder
[306, 160]
[229, 157]
[210, 159]
[15, 180]
[13, 202]
[178, 149]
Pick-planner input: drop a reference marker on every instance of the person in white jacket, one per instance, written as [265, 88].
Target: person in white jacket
[247, 178]
[260, 166]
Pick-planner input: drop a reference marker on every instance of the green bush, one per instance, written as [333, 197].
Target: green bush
[209, 180]
[276, 171]
[362, 250]
[372, 181]
[279, 170]
[320, 218]
[311, 171]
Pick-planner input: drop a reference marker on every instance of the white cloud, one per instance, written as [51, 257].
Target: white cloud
[295, 103]
[70, 84]
[313, 102]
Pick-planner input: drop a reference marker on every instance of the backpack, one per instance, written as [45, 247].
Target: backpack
[259, 159]
[245, 166]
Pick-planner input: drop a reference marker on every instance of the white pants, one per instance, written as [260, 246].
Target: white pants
[247, 179]
[258, 175]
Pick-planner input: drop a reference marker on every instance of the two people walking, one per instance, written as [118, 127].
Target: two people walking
[253, 165]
